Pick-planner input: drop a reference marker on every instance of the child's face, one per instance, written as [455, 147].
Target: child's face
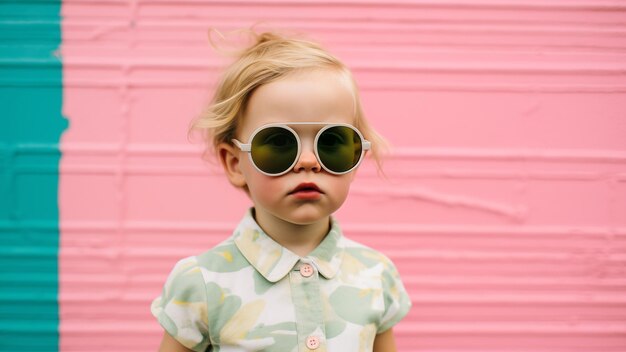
[311, 96]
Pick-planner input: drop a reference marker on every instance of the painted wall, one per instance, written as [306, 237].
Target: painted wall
[504, 207]
[31, 126]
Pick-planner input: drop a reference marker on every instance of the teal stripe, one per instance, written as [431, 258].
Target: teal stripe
[30, 130]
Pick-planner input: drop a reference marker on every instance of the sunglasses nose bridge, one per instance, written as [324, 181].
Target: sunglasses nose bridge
[307, 160]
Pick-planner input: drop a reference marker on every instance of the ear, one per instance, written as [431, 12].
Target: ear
[229, 156]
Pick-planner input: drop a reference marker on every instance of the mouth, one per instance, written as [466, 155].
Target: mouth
[307, 187]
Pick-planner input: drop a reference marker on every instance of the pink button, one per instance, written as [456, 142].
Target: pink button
[312, 342]
[306, 270]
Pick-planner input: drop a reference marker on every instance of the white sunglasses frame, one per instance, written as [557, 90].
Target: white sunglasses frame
[247, 147]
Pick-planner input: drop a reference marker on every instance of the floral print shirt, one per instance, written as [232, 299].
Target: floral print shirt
[251, 294]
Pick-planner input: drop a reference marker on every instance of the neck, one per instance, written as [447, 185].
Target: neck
[300, 239]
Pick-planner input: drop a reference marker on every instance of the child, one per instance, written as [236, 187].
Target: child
[287, 126]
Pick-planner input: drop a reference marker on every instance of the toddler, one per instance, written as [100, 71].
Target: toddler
[287, 126]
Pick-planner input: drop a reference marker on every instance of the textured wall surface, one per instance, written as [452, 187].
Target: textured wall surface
[31, 126]
[505, 203]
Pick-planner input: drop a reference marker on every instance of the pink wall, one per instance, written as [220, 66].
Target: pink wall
[505, 207]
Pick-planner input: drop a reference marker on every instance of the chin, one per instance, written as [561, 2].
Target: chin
[303, 219]
[308, 215]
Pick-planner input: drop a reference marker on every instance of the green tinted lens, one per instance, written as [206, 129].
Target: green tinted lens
[339, 148]
[274, 149]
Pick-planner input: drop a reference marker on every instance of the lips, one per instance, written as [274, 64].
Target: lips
[306, 187]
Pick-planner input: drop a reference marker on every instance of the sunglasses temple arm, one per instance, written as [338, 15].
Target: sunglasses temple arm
[242, 146]
[367, 145]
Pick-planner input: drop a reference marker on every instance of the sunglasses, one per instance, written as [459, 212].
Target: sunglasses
[275, 148]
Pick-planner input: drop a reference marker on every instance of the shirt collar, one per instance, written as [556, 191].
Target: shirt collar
[274, 261]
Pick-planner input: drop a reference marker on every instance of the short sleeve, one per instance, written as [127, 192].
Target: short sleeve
[397, 300]
[181, 309]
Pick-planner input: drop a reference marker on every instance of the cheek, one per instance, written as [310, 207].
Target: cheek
[266, 190]
[262, 188]
[340, 187]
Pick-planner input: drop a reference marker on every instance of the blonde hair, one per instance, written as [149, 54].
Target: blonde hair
[269, 58]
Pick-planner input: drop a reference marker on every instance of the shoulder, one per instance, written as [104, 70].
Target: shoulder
[373, 274]
[189, 271]
[395, 301]
[366, 255]
[225, 257]
[372, 265]
[184, 282]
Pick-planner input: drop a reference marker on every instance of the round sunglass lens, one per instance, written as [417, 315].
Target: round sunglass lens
[339, 148]
[274, 149]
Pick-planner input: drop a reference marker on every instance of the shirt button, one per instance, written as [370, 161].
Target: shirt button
[306, 270]
[312, 342]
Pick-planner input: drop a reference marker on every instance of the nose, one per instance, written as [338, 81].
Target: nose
[307, 162]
